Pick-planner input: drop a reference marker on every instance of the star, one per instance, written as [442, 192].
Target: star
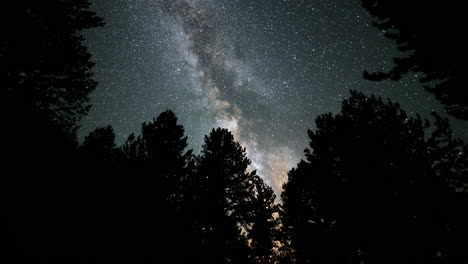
[263, 69]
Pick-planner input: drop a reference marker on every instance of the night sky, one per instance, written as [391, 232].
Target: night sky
[262, 68]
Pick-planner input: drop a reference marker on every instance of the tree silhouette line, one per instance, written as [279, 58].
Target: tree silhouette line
[376, 185]
[428, 34]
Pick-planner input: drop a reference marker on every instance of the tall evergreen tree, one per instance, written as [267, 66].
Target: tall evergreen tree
[46, 78]
[45, 66]
[375, 187]
[263, 229]
[165, 136]
[222, 188]
[162, 166]
[45, 71]
[161, 151]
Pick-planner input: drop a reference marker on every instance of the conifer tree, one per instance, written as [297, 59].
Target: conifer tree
[163, 149]
[429, 35]
[45, 65]
[99, 145]
[263, 231]
[374, 187]
[222, 189]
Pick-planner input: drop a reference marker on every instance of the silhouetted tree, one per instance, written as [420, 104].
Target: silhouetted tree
[222, 186]
[376, 187]
[263, 229]
[44, 71]
[161, 150]
[162, 167]
[45, 66]
[429, 34]
[99, 146]
[165, 143]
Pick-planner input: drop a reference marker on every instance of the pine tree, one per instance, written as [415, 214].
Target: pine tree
[222, 189]
[46, 67]
[163, 145]
[161, 167]
[374, 186]
[263, 230]
[429, 35]
[46, 78]
[99, 145]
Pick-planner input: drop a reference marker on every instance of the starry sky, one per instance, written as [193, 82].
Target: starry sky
[262, 68]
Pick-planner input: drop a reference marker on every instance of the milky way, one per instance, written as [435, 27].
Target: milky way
[262, 69]
[223, 80]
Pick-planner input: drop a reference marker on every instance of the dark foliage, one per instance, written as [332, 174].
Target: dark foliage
[152, 179]
[375, 187]
[45, 67]
[430, 34]
[222, 191]
[161, 150]
[99, 146]
[263, 227]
